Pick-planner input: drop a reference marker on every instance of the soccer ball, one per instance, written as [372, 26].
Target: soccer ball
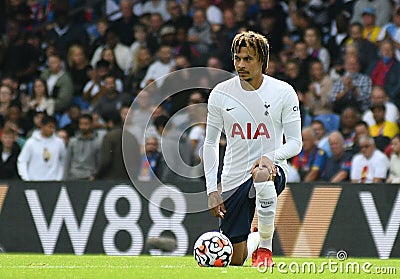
[213, 249]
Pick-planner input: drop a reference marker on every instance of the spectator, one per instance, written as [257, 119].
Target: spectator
[9, 151]
[385, 72]
[338, 166]
[19, 58]
[140, 34]
[319, 11]
[303, 59]
[66, 32]
[382, 127]
[337, 71]
[14, 114]
[316, 99]
[6, 96]
[168, 35]
[185, 115]
[143, 60]
[353, 89]
[113, 163]
[14, 125]
[178, 86]
[310, 163]
[274, 7]
[361, 129]
[12, 82]
[139, 123]
[59, 83]
[370, 31]
[300, 22]
[94, 88]
[124, 25]
[37, 117]
[348, 120]
[70, 120]
[102, 26]
[83, 153]
[156, 6]
[390, 32]
[149, 160]
[378, 95]
[337, 41]
[383, 10]
[213, 77]
[111, 101]
[175, 151]
[177, 17]
[122, 53]
[153, 38]
[108, 55]
[213, 13]
[241, 10]
[197, 136]
[313, 39]
[200, 34]
[19, 10]
[370, 165]
[394, 168]
[185, 48]
[275, 67]
[142, 111]
[40, 100]
[321, 137]
[158, 69]
[366, 50]
[269, 24]
[43, 155]
[294, 77]
[79, 69]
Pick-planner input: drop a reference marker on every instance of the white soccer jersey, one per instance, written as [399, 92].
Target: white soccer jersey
[253, 122]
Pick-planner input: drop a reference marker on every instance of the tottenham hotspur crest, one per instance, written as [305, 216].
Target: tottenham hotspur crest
[266, 108]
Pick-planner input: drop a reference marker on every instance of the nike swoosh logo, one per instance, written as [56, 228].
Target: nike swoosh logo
[229, 109]
[266, 203]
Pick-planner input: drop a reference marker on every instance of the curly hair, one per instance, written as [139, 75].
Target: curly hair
[254, 40]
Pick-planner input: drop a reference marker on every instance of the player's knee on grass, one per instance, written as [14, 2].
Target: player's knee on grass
[262, 175]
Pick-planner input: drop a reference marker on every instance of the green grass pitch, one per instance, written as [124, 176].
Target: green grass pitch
[101, 266]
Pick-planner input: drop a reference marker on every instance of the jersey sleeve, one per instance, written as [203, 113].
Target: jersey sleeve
[211, 142]
[291, 108]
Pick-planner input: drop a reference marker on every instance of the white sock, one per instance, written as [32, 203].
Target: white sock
[266, 200]
[253, 240]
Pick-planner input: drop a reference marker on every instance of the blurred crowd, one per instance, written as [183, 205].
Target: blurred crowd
[71, 69]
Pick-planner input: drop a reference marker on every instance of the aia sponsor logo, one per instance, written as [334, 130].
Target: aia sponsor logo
[247, 131]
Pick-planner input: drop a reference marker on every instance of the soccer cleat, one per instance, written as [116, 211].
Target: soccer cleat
[264, 258]
[254, 258]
